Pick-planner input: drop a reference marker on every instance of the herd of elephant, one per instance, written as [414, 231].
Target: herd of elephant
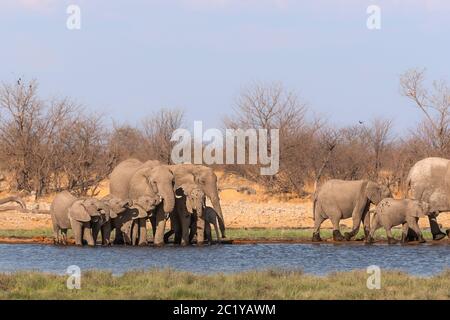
[156, 192]
[140, 192]
[427, 193]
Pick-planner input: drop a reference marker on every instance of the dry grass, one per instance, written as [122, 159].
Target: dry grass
[271, 284]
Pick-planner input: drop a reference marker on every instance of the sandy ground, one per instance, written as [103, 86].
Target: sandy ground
[240, 212]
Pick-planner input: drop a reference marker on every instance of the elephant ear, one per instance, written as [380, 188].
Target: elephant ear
[373, 192]
[78, 212]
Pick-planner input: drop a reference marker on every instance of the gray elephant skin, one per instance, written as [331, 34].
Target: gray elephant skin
[189, 204]
[112, 207]
[132, 179]
[206, 179]
[393, 212]
[341, 199]
[429, 181]
[69, 212]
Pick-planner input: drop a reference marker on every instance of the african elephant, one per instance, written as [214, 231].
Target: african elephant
[69, 212]
[131, 179]
[113, 207]
[340, 199]
[429, 181]
[189, 203]
[210, 217]
[206, 179]
[393, 212]
[131, 221]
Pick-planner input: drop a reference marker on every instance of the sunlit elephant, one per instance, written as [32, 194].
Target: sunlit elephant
[429, 181]
[113, 207]
[206, 179]
[69, 212]
[393, 212]
[340, 199]
[189, 203]
[129, 223]
[131, 179]
[210, 217]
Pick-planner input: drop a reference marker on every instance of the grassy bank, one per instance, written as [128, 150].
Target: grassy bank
[247, 234]
[169, 284]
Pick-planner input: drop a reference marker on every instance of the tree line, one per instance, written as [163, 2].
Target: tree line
[48, 145]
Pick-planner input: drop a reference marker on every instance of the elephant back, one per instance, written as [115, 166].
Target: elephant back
[120, 177]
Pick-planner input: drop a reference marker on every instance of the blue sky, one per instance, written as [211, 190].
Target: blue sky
[133, 57]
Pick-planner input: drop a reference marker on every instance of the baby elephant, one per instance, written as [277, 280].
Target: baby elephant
[210, 217]
[391, 212]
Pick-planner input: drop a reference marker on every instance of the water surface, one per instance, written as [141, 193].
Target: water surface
[424, 260]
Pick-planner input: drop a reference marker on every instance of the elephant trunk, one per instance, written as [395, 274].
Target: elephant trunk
[14, 199]
[168, 199]
[216, 205]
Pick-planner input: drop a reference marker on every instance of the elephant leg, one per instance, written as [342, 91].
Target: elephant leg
[185, 224]
[56, 232]
[135, 232]
[64, 236]
[318, 220]
[358, 213]
[390, 237]
[405, 228]
[160, 227]
[193, 228]
[77, 229]
[337, 236]
[216, 229]
[153, 223]
[167, 235]
[200, 231]
[366, 224]
[89, 237]
[208, 235]
[95, 231]
[142, 232]
[106, 234]
[373, 228]
[434, 226]
[415, 226]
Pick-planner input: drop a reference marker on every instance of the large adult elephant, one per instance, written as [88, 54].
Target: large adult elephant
[131, 179]
[206, 179]
[340, 199]
[189, 204]
[429, 181]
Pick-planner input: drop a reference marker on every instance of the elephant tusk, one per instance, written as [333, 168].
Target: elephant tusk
[178, 197]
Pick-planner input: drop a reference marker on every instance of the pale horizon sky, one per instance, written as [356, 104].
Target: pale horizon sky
[131, 58]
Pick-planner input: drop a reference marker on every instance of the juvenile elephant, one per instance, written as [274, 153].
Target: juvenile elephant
[391, 212]
[429, 181]
[131, 179]
[113, 207]
[129, 224]
[210, 217]
[69, 212]
[189, 203]
[340, 199]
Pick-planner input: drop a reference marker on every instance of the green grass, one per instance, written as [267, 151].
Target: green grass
[247, 234]
[271, 284]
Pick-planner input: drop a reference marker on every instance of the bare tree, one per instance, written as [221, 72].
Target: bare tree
[434, 102]
[157, 131]
[378, 135]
